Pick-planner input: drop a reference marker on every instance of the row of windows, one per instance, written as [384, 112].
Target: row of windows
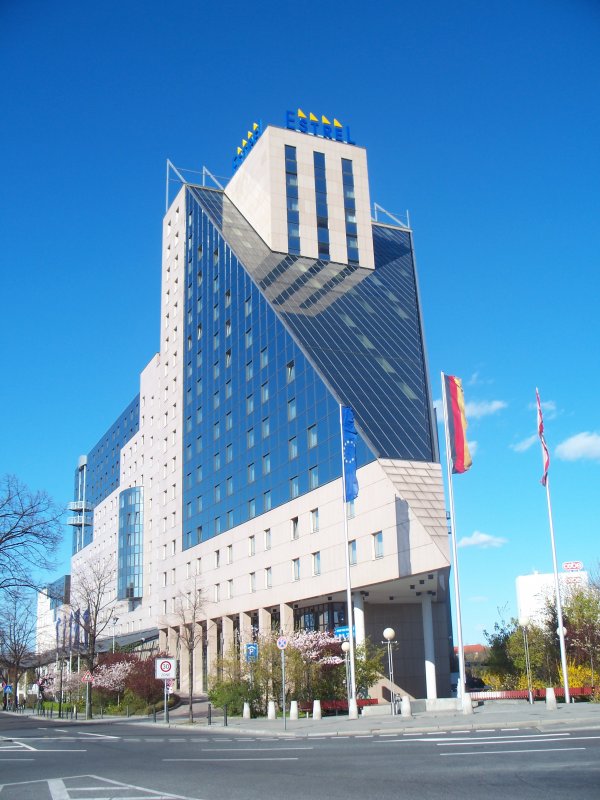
[321, 205]
[291, 190]
[296, 572]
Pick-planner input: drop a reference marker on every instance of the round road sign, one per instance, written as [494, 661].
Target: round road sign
[282, 642]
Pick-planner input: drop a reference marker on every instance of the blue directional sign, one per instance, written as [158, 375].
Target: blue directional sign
[343, 631]
[251, 652]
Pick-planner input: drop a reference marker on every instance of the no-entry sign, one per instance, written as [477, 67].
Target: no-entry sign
[165, 668]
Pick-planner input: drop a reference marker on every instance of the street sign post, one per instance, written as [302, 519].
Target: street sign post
[165, 669]
[87, 677]
[282, 643]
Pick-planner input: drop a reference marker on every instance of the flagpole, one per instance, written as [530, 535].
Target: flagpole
[559, 614]
[352, 704]
[461, 653]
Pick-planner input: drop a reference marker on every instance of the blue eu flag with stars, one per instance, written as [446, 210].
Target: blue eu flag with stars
[349, 436]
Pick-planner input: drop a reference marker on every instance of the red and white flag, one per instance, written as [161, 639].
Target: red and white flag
[545, 453]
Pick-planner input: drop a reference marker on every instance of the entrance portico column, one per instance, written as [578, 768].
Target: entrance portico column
[358, 612]
[429, 646]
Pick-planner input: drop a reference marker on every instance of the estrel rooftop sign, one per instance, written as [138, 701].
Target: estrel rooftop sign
[311, 124]
[247, 144]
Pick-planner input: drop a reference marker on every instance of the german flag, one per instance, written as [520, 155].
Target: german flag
[457, 424]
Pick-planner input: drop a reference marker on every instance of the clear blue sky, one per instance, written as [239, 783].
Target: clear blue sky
[481, 118]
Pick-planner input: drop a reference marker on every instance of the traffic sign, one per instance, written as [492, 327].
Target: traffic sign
[251, 652]
[282, 642]
[165, 668]
[87, 677]
[572, 566]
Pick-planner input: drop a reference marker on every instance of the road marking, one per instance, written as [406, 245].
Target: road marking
[364, 736]
[16, 759]
[60, 730]
[268, 758]
[464, 731]
[505, 729]
[57, 789]
[252, 749]
[504, 752]
[486, 730]
[100, 735]
[435, 733]
[411, 734]
[383, 735]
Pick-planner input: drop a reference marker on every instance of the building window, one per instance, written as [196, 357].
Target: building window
[217, 559]
[350, 510]
[264, 357]
[293, 448]
[251, 473]
[252, 545]
[228, 390]
[266, 464]
[313, 477]
[229, 588]
[296, 569]
[217, 592]
[251, 508]
[228, 421]
[295, 528]
[229, 486]
[290, 372]
[268, 578]
[321, 205]
[316, 563]
[250, 404]
[249, 371]
[314, 520]
[247, 306]
[218, 493]
[264, 392]
[250, 438]
[252, 577]
[229, 553]
[352, 552]
[312, 436]
[265, 428]
[228, 358]
[216, 430]
[378, 545]
[294, 487]
[198, 565]
[291, 408]
[248, 337]
[228, 453]
[267, 500]
[268, 539]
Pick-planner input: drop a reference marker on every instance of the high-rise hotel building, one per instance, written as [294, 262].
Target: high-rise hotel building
[281, 300]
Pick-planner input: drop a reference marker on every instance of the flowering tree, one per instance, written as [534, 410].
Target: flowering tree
[113, 677]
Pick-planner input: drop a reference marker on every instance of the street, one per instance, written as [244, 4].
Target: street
[45, 760]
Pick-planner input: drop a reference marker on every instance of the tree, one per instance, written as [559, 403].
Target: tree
[93, 595]
[188, 608]
[17, 635]
[30, 532]
[582, 621]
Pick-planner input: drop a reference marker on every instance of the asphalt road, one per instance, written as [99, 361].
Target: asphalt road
[45, 760]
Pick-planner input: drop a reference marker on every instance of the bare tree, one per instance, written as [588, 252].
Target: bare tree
[94, 597]
[188, 608]
[17, 635]
[30, 532]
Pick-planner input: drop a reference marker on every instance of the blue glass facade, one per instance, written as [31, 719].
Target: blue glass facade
[103, 461]
[131, 541]
[260, 425]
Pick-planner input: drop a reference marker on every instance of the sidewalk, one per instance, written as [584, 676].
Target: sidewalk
[493, 715]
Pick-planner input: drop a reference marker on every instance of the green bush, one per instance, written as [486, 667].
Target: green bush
[234, 694]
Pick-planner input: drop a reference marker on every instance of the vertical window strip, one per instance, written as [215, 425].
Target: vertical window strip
[293, 208]
[321, 205]
[350, 211]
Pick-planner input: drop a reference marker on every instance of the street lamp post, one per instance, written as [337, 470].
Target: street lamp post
[114, 624]
[389, 635]
[346, 651]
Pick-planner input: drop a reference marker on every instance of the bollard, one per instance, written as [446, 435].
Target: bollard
[209, 716]
[316, 709]
[550, 699]
[154, 713]
[128, 715]
[294, 709]
[467, 705]
[271, 710]
[76, 712]
[246, 712]
[225, 715]
[101, 712]
[405, 709]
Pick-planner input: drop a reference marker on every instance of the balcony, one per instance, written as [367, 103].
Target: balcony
[79, 520]
[79, 505]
